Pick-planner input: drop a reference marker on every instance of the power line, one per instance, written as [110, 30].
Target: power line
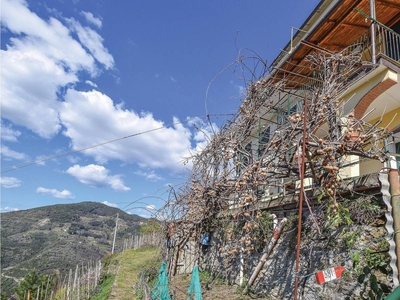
[34, 162]
[38, 161]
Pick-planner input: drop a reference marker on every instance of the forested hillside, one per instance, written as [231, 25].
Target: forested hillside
[54, 239]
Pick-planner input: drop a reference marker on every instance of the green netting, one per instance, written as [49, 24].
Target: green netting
[160, 290]
[195, 287]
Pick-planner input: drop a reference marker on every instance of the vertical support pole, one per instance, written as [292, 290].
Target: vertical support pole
[395, 195]
[241, 265]
[115, 234]
[259, 139]
[373, 32]
[303, 151]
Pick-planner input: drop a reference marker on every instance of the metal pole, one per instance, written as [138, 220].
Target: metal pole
[115, 234]
[373, 16]
[303, 151]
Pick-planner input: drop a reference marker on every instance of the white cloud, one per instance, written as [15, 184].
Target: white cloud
[151, 176]
[64, 194]
[92, 19]
[8, 133]
[10, 182]
[38, 62]
[162, 148]
[8, 209]
[109, 204]
[94, 42]
[29, 82]
[97, 176]
[150, 207]
[204, 132]
[172, 79]
[42, 61]
[142, 212]
[11, 154]
[91, 83]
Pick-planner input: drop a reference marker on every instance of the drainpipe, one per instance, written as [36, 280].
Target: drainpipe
[395, 197]
[373, 17]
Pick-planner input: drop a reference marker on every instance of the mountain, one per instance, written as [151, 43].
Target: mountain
[53, 239]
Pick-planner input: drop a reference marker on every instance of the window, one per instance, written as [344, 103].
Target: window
[283, 114]
[263, 139]
[247, 157]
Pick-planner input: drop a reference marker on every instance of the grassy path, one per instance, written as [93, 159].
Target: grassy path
[128, 267]
[131, 263]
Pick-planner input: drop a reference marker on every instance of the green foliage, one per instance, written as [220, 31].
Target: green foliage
[208, 279]
[35, 284]
[103, 290]
[337, 215]
[151, 226]
[7, 285]
[372, 266]
[109, 260]
[151, 275]
[263, 231]
[204, 276]
[349, 237]
[60, 294]
[110, 223]
[26, 244]
[377, 290]
[364, 210]
[96, 223]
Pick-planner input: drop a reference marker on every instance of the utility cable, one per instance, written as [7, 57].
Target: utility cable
[38, 161]
[34, 162]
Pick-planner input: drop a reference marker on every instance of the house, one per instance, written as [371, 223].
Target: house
[371, 91]
[326, 116]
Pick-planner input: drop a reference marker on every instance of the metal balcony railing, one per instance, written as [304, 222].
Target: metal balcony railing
[387, 43]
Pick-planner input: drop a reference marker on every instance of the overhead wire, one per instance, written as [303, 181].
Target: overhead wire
[47, 158]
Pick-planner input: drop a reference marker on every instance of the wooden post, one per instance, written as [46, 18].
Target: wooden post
[115, 234]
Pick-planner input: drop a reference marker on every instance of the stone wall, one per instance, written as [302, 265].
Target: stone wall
[355, 246]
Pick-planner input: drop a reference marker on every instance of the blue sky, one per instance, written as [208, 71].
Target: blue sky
[75, 74]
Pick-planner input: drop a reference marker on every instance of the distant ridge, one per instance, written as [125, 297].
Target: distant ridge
[53, 239]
